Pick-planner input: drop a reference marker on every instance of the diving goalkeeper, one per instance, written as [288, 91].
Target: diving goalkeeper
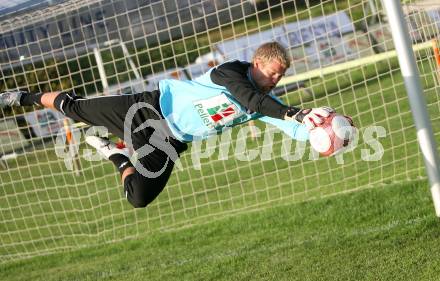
[159, 124]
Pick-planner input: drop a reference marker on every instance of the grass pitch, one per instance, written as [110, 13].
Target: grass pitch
[377, 234]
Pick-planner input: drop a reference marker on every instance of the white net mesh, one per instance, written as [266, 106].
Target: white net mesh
[53, 199]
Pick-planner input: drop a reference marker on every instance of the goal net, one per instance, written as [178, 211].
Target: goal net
[53, 197]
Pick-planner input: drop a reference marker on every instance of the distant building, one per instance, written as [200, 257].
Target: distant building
[30, 28]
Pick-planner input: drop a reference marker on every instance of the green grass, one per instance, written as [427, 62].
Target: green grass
[377, 234]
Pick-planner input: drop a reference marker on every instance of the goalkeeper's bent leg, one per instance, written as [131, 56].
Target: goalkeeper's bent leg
[150, 176]
[140, 190]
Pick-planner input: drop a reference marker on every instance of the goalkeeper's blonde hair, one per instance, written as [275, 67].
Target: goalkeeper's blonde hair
[272, 51]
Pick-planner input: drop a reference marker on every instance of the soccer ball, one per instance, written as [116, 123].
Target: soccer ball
[333, 135]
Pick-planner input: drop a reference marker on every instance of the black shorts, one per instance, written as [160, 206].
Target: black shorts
[154, 166]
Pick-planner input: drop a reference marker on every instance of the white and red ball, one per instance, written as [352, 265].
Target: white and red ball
[333, 135]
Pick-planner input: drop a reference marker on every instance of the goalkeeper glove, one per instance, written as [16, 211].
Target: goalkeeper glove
[311, 117]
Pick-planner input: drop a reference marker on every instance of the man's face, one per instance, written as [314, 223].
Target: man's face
[267, 75]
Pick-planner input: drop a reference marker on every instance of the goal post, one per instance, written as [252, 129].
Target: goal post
[411, 77]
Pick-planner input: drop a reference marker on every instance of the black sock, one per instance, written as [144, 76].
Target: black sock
[27, 99]
[121, 162]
